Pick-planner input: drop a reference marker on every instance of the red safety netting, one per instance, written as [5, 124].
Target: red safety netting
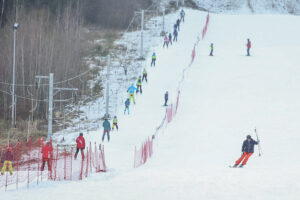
[205, 27]
[27, 163]
[141, 155]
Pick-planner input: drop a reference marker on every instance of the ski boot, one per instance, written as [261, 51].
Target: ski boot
[241, 166]
[234, 166]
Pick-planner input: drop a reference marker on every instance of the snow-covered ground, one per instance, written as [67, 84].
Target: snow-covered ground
[222, 99]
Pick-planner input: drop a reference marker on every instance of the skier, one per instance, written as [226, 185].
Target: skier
[144, 75]
[170, 38]
[175, 34]
[182, 14]
[211, 49]
[139, 85]
[80, 141]
[115, 123]
[175, 26]
[166, 98]
[8, 160]
[153, 59]
[127, 103]
[178, 24]
[106, 126]
[166, 41]
[46, 151]
[248, 47]
[247, 151]
[131, 91]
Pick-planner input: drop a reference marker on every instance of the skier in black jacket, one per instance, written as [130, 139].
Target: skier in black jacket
[247, 149]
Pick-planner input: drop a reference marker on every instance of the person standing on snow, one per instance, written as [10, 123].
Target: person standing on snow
[248, 47]
[144, 75]
[139, 85]
[170, 38]
[182, 14]
[115, 123]
[166, 41]
[175, 34]
[131, 91]
[80, 141]
[178, 24]
[211, 49]
[46, 151]
[127, 104]
[106, 126]
[153, 59]
[175, 26]
[247, 151]
[166, 98]
[8, 160]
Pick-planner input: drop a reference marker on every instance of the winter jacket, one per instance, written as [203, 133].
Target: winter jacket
[127, 103]
[154, 56]
[106, 125]
[177, 22]
[45, 151]
[175, 33]
[131, 89]
[166, 96]
[166, 39]
[170, 37]
[212, 47]
[9, 154]
[182, 13]
[144, 72]
[80, 142]
[115, 121]
[249, 44]
[139, 82]
[248, 146]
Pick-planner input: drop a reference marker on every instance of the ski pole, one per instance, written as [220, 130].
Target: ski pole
[259, 149]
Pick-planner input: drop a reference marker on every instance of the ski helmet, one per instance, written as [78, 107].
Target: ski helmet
[248, 136]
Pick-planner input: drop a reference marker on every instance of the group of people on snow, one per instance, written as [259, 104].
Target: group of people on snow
[248, 45]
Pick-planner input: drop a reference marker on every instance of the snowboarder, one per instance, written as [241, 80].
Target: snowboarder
[166, 41]
[107, 129]
[182, 14]
[211, 49]
[178, 24]
[139, 85]
[175, 34]
[144, 75]
[248, 47]
[247, 151]
[46, 151]
[8, 160]
[115, 123]
[166, 98]
[153, 59]
[170, 38]
[127, 103]
[131, 91]
[80, 141]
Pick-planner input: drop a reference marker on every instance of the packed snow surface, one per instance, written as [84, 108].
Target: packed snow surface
[223, 98]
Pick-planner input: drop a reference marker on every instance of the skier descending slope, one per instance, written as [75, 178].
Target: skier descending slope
[166, 41]
[131, 91]
[182, 14]
[166, 98]
[106, 126]
[127, 103]
[115, 123]
[170, 38]
[80, 145]
[175, 34]
[248, 47]
[144, 75]
[211, 49]
[247, 149]
[153, 59]
[139, 85]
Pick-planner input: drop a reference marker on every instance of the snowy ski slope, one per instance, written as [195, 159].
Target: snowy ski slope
[222, 99]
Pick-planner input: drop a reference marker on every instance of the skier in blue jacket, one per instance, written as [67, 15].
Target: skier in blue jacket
[127, 103]
[107, 129]
[175, 34]
[131, 91]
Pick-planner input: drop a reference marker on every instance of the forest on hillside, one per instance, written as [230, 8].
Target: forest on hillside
[49, 39]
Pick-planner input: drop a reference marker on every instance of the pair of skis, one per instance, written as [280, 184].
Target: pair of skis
[259, 150]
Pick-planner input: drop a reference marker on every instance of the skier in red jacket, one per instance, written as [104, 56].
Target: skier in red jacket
[248, 47]
[8, 160]
[46, 151]
[80, 145]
